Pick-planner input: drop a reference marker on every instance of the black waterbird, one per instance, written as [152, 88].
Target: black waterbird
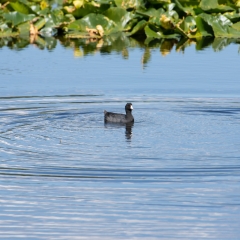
[118, 117]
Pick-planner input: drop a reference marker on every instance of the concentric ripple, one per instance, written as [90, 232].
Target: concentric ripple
[65, 174]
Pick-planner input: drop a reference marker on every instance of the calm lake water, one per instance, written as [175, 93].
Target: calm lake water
[64, 174]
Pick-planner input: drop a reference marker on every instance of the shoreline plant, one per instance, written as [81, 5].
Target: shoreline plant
[151, 19]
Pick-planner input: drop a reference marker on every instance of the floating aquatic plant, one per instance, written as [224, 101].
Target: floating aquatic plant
[154, 19]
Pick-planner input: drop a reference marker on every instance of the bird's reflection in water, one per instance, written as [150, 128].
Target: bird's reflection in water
[128, 132]
[128, 128]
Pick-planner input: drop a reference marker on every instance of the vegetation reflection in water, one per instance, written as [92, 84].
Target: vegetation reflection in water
[89, 26]
[118, 43]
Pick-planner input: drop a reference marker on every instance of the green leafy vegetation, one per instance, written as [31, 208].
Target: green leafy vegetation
[96, 19]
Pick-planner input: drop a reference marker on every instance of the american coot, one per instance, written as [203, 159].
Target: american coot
[120, 118]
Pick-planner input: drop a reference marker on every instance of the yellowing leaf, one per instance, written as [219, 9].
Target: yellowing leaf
[96, 4]
[78, 3]
[100, 30]
[166, 22]
[92, 31]
[69, 9]
[33, 29]
[237, 3]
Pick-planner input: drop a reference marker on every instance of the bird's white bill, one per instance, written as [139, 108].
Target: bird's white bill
[131, 107]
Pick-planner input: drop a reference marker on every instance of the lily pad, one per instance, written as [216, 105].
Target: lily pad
[119, 15]
[40, 23]
[213, 6]
[222, 26]
[91, 21]
[130, 4]
[189, 24]
[232, 16]
[151, 12]
[195, 27]
[236, 26]
[203, 30]
[131, 24]
[138, 28]
[159, 35]
[17, 18]
[21, 7]
[187, 7]
[160, 1]
[88, 8]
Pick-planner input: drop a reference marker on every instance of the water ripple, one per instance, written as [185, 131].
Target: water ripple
[177, 168]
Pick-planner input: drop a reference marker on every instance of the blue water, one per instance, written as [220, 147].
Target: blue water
[64, 174]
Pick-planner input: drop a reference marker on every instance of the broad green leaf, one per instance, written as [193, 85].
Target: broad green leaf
[189, 3]
[51, 22]
[159, 1]
[88, 8]
[170, 12]
[138, 28]
[189, 25]
[40, 23]
[42, 12]
[208, 5]
[169, 7]
[151, 12]
[166, 19]
[17, 18]
[152, 34]
[91, 21]
[213, 6]
[195, 27]
[130, 25]
[232, 16]
[236, 26]
[187, 6]
[130, 4]
[155, 21]
[216, 21]
[222, 26]
[57, 15]
[21, 7]
[203, 30]
[56, 19]
[119, 15]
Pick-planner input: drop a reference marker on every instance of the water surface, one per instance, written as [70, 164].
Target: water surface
[174, 174]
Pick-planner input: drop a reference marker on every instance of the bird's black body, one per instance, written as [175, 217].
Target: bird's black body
[118, 117]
